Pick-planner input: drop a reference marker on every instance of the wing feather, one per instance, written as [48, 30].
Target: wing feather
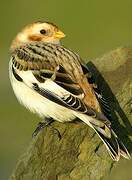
[61, 77]
[101, 99]
[67, 100]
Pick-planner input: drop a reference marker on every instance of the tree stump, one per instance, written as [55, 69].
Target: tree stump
[79, 154]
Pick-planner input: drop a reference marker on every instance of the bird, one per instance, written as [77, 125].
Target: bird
[55, 83]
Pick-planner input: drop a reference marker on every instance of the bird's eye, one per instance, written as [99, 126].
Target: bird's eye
[43, 31]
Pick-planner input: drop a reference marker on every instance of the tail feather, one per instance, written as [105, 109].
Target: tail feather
[123, 150]
[115, 147]
[111, 145]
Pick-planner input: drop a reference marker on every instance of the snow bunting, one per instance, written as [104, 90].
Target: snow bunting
[53, 82]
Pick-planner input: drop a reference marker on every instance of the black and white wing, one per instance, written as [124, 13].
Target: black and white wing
[104, 104]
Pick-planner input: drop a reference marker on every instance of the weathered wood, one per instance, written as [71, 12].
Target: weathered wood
[80, 154]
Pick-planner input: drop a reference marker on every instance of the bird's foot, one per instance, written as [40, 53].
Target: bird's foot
[41, 125]
[56, 131]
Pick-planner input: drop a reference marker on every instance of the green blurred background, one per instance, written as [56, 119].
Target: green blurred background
[93, 27]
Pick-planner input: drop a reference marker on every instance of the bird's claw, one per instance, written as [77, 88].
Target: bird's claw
[42, 125]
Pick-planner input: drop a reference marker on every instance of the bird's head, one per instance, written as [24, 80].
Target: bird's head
[38, 31]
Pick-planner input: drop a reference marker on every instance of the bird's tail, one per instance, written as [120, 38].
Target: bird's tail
[115, 147]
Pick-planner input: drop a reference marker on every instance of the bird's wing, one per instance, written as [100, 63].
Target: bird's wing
[40, 70]
[105, 108]
[49, 85]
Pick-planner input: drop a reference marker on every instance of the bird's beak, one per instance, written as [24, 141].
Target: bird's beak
[59, 34]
